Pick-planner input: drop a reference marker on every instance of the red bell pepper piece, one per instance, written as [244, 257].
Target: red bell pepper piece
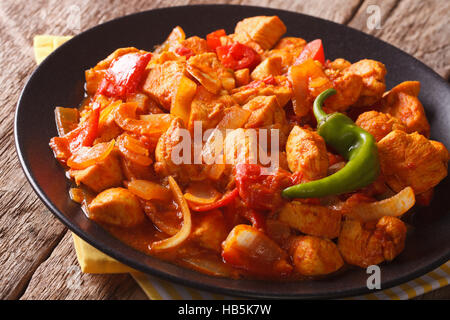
[82, 136]
[225, 200]
[213, 39]
[238, 56]
[124, 75]
[312, 50]
[88, 131]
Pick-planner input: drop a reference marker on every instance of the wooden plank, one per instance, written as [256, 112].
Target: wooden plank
[324, 9]
[59, 277]
[420, 28]
[28, 235]
[28, 232]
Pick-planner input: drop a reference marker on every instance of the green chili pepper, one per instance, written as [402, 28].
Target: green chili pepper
[356, 145]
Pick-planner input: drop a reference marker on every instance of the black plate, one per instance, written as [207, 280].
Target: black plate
[59, 82]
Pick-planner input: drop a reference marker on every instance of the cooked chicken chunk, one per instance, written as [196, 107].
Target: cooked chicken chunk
[100, 176]
[196, 44]
[241, 146]
[288, 49]
[268, 67]
[443, 152]
[309, 80]
[313, 256]
[204, 224]
[313, 220]
[349, 87]
[412, 160]
[116, 206]
[208, 108]
[281, 90]
[265, 112]
[162, 82]
[379, 124]
[402, 102]
[169, 148]
[306, 152]
[291, 43]
[372, 73]
[333, 68]
[264, 30]
[242, 77]
[365, 244]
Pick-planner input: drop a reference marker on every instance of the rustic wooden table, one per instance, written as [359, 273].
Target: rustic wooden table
[37, 259]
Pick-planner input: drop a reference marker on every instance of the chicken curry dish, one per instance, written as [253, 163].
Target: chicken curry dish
[249, 155]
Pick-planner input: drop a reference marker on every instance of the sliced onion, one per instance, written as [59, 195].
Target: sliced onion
[152, 125]
[106, 112]
[158, 122]
[235, 118]
[185, 230]
[127, 148]
[88, 156]
[134, 145]
[202, 193]
[66, 119]
[394, 206]
[83, 197]
[76, 194]
[149, 190]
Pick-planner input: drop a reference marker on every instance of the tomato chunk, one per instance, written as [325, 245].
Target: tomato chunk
[213, 38]
[259, 191]
[82, 136]
[87, 131]
[312, 50]
[124, 75]
[238, 56]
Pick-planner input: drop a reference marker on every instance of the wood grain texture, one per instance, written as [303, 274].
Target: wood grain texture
[33, 244]
[59, 277]
[421, 28]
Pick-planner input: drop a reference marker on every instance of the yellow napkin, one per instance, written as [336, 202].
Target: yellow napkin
[92, 260]
[45, 44]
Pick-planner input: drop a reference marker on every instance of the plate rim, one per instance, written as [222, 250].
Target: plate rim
[186, 281]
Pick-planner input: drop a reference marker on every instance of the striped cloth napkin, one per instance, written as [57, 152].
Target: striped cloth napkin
[92, 260]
